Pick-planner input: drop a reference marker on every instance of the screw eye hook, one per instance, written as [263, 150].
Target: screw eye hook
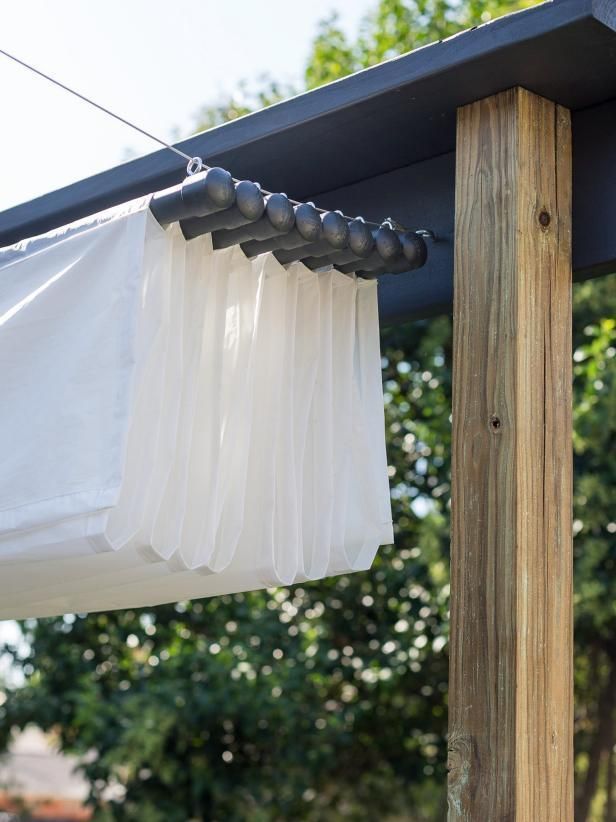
[194, 166]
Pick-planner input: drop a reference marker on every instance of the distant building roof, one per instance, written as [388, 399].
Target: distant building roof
[34, 775]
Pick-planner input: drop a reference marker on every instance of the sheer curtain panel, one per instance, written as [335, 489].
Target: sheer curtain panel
[179, 422]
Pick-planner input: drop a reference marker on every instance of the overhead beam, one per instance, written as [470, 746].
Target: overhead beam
[422, 196]
[511, 649]
[381, 143]
[388, 116]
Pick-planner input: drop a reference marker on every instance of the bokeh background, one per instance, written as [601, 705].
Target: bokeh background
[327, 701]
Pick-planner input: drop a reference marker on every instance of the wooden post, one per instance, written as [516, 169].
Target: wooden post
[510, 697]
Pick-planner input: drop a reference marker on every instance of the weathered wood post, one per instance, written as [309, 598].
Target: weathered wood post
[511, 691]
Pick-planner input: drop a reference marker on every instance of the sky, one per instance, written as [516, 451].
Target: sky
[154, 63]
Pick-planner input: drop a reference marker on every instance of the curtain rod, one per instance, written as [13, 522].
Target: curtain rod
[241, 213]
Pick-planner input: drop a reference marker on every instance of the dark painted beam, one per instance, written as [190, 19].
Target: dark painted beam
[418, 196]
[422, 196]
[386, 117]
[379, 143]
[594, 189]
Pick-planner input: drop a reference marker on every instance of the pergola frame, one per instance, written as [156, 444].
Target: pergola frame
[515, 211]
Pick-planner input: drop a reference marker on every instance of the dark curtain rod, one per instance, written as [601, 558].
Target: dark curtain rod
[241, 213]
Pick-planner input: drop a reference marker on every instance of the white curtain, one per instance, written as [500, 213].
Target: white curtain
[179, 422]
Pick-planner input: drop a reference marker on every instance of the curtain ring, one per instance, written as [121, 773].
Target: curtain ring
[195, 165]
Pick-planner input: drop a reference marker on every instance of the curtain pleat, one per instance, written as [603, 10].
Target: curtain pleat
[180, 422]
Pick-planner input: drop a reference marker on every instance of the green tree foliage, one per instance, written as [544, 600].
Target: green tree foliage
[327, 701]
[594, 527]
[395, 27]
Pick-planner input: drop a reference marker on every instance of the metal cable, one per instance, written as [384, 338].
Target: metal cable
[195, 164]
[97, 105]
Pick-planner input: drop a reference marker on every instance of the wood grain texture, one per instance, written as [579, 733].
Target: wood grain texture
[511, 682]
